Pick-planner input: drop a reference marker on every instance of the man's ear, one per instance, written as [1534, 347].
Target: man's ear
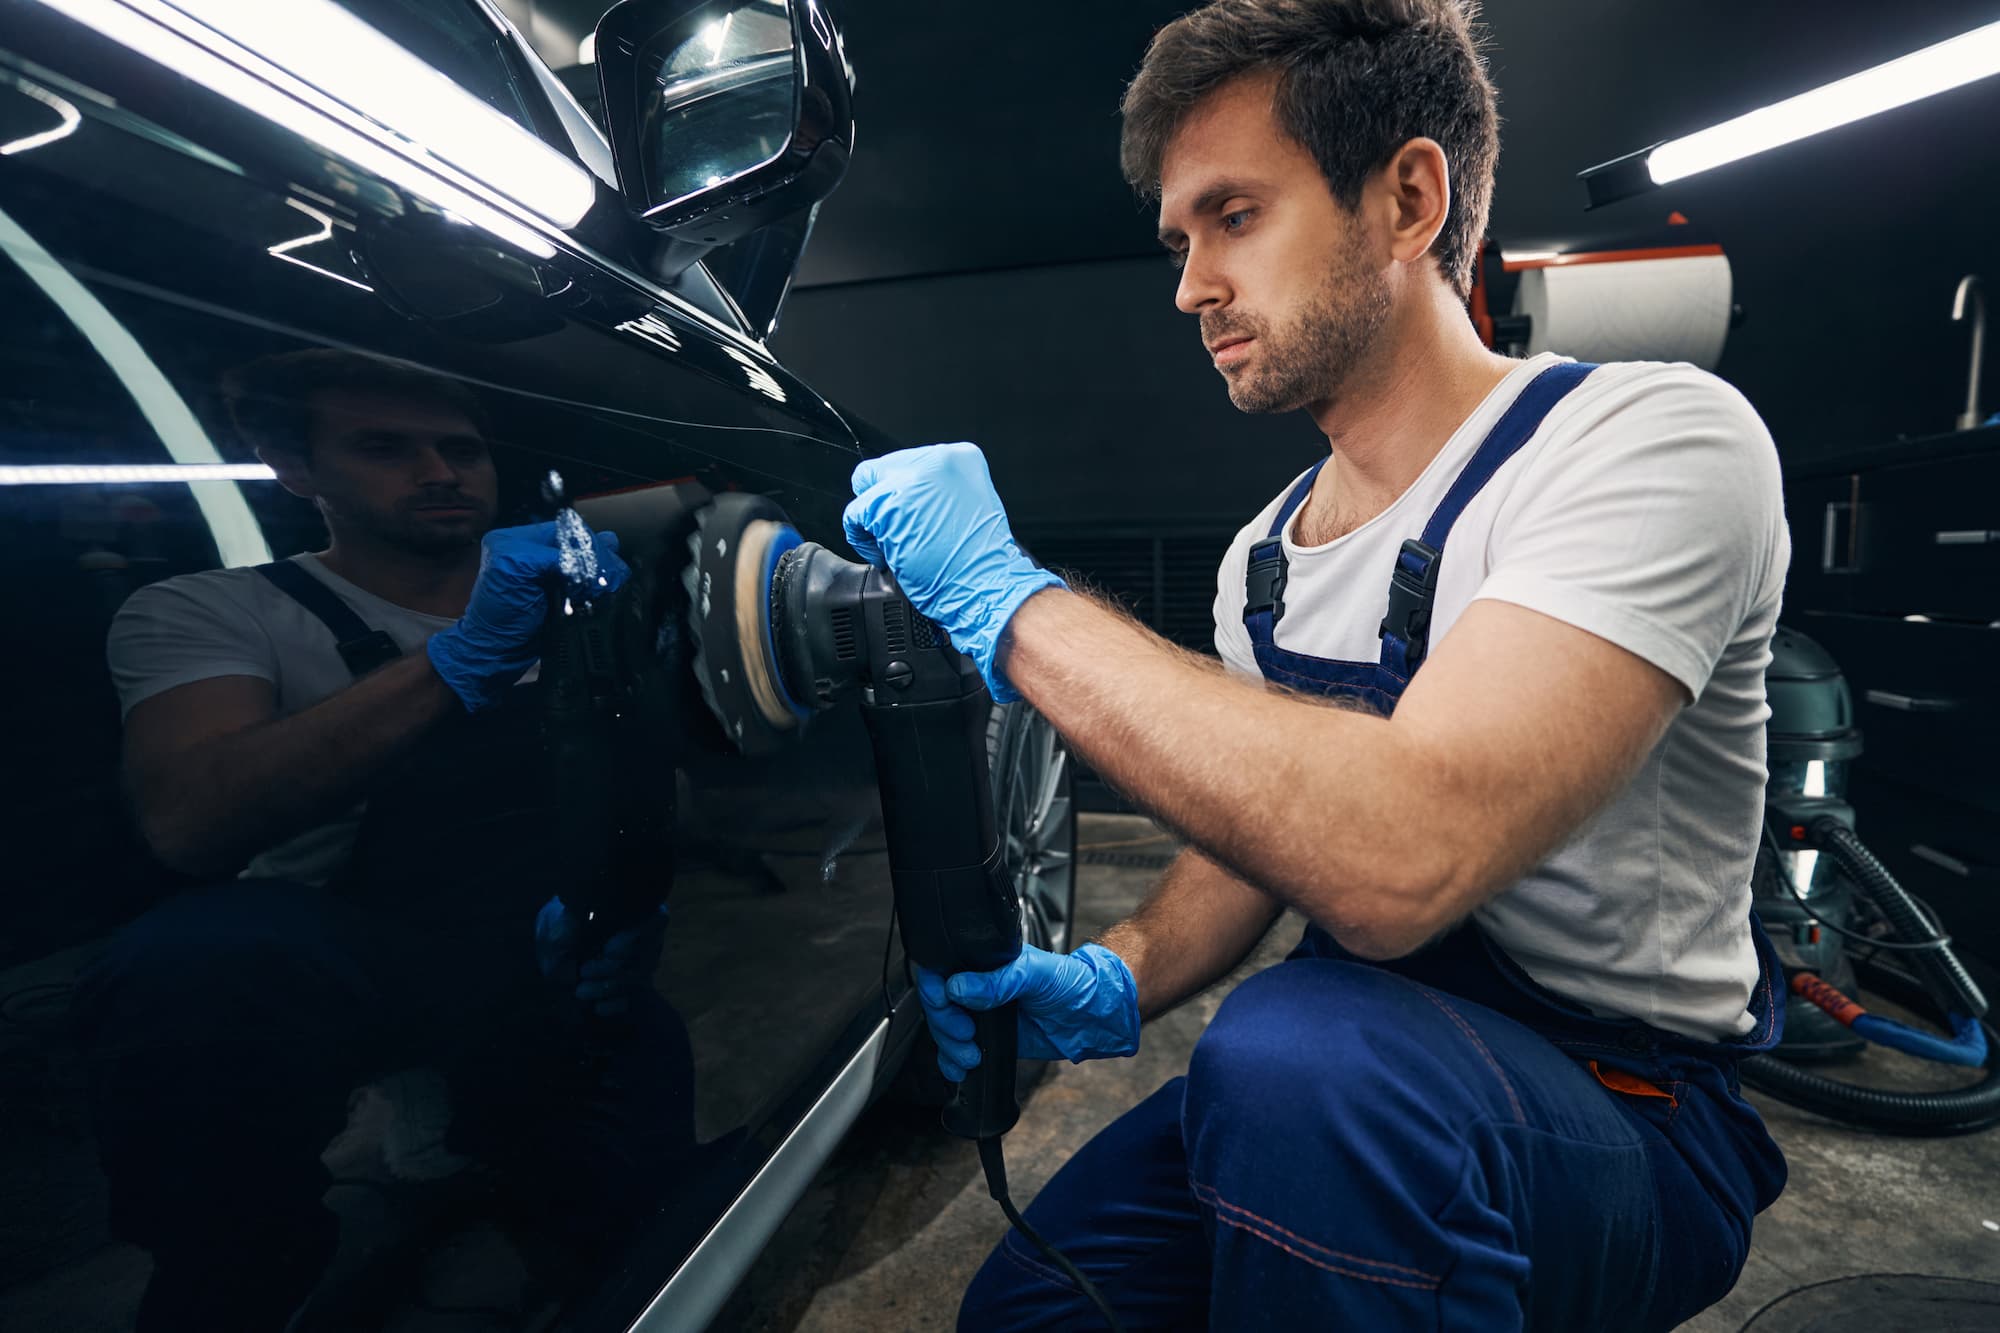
[1419, 180]
[294, 473]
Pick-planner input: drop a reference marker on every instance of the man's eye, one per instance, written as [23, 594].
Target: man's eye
[1177, 259]
[1230, 220]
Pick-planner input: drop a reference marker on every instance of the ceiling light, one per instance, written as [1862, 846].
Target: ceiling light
[1935, 69]
[239, 540]
[130, 474]
[179, 43]
[328, 47]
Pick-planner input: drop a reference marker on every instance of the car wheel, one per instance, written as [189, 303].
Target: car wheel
[1035, 814]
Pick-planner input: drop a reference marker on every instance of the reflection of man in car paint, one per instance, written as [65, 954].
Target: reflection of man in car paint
[246, 734]
[342, 732]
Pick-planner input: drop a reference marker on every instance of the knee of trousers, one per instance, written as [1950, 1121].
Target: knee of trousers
[1333, 1065]
[217, 966]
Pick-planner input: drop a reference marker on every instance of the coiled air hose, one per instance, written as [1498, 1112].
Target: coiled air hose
[1944, 991]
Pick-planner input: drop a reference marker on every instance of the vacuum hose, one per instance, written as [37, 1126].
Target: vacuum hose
[1947, 975]
[1945, 990]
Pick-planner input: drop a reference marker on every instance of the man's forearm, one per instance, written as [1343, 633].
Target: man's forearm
[208, 809]
[1312, 803]
[1198, 924]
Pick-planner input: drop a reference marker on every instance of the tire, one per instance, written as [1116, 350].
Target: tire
[1035, 812]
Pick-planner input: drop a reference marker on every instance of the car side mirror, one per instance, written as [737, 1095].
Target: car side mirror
[723, 115]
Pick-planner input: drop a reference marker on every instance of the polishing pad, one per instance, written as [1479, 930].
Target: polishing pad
[737, 544]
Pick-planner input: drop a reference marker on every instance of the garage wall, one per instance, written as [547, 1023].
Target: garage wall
[1091, 393]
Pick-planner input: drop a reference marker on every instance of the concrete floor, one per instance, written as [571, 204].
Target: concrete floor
[897, 1223]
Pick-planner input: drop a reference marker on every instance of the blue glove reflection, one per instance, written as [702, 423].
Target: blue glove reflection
[619, 972]
[497, 639]
[1078, 1006]
[931, 517]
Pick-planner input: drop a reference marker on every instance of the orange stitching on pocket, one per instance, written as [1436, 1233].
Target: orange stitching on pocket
[1317, 1263]
[1493, 1064]
[1209, 1195]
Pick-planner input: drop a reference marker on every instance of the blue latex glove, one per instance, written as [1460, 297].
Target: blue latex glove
[620, 971]
[498, 637]
[1077, 1006]
[930, 517]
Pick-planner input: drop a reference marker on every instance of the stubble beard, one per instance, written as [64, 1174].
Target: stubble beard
[1310, 362]
[413, 536]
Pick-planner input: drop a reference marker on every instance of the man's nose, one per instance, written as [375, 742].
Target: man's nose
[1202, 287]
[433, 468]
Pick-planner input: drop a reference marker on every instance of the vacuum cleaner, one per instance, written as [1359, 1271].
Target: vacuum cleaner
[1838, 917]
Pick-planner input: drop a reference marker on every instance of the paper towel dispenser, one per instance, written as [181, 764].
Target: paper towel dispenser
[1632, 299]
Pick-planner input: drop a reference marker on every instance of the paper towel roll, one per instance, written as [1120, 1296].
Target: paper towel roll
[1673, 309]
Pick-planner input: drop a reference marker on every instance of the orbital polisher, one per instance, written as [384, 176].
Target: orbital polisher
[784, 629]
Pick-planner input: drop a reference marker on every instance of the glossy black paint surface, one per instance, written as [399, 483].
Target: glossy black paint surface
[173, 237]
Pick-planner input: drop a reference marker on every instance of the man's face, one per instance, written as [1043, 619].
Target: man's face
[1290, 295]
[404, 471]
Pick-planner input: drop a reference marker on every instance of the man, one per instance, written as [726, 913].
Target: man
[247, 733]
[1514, 788]
[337, 738]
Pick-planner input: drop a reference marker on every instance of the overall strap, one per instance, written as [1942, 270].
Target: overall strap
[1405, 631]
[361, 648]
[1264, 580]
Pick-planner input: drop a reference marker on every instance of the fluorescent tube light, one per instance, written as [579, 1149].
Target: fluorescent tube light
[335, 52]
[1949, 64]
[130, 474]
[1935, 69]
[169, 37]
[239, 540]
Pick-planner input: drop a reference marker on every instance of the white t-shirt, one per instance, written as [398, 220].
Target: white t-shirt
[1646, 510]
[236, 622]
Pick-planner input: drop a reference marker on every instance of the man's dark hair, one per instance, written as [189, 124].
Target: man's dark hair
[270, 400]
[1357, 79]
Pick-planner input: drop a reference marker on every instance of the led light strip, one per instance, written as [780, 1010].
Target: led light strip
[130, 474]
[1935, 69]
[67, 115]
[238, 538]
[164, 34]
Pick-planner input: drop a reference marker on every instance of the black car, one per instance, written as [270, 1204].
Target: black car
[390, 222]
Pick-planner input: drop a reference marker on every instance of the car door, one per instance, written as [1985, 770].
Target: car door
[185, 267]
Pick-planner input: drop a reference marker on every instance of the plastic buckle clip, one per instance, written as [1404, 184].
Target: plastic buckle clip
[371, 651]
[1264, 583]
[1412, 589]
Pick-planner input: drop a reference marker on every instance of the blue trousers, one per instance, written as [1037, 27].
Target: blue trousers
[1355, 1148]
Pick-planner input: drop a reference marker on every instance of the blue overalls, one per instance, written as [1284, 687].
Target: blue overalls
[1436, 1142]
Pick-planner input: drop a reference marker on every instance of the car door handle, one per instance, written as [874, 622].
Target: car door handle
[1910, 703]
[1837, 543]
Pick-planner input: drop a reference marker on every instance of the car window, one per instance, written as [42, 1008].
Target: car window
[455, 39]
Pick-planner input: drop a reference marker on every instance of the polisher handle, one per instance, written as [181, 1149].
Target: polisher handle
[954, 899]
[985, 1103]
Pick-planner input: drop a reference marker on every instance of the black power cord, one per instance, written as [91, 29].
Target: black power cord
[1938, 940]
[996, 1185]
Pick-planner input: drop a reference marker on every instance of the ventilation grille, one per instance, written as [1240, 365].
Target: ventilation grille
[926, 634]
[843, 635]
[895, 628]
[1166, 579]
